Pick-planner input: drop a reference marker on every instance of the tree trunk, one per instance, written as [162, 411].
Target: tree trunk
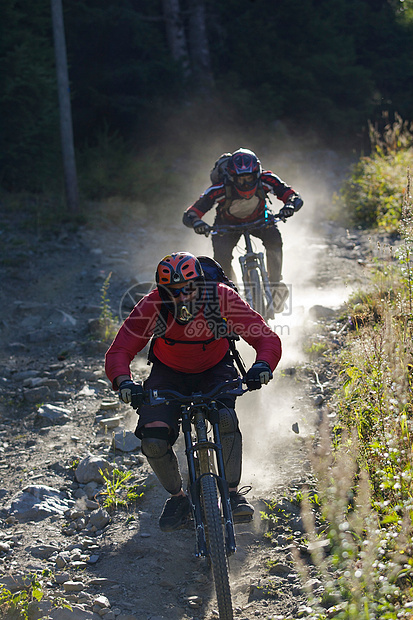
[199, 47]
[66, 129]
[175, 33]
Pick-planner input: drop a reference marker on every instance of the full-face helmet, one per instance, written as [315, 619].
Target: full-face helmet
[177, 269]
[244, 169]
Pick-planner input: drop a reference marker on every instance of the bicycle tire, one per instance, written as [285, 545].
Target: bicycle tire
[216, 544]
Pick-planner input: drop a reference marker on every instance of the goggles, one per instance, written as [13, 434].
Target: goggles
[246, 180]
[186, 290]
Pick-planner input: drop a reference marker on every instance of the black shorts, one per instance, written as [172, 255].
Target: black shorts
[163, 378]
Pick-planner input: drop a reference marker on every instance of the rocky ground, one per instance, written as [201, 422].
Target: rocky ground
[60, 423]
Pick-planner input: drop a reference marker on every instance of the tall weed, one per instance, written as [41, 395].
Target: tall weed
[364, 463]
[374, 193]
[366, 569]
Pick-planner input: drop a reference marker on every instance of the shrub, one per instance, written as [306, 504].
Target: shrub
[373, 194]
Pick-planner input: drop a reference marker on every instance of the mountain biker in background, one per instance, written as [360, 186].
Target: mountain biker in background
[190, 356]
[240, 197]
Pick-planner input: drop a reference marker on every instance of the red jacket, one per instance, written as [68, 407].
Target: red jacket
[138, 328]
[240, 210]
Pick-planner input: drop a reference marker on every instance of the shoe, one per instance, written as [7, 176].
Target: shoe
[241, 508]
[280, 295]
[175, 513]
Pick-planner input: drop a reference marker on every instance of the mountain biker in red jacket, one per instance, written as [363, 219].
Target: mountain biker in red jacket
[241, 198]
[188, 357]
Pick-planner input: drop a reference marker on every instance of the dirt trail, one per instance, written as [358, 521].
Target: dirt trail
[51, 289]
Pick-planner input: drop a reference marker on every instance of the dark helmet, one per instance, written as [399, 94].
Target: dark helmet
[244, 162]
[178, 268]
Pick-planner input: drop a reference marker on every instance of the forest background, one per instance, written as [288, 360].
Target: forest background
[156, 88]
[152, 82]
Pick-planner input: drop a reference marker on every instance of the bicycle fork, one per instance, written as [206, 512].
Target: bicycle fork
[200, 450]
[255, 260]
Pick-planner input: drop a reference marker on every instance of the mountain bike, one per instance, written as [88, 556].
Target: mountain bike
[207, 487]
[257, 288]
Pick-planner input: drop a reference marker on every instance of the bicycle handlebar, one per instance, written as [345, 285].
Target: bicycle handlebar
[227, 388]
[269, 220]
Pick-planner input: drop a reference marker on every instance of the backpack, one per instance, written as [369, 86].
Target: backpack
[220, 175]
[214, 274]
[213, 271]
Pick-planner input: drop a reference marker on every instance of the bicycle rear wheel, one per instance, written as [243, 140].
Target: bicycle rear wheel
[216, 546]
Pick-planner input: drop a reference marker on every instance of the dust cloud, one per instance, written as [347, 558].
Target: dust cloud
[272, 450]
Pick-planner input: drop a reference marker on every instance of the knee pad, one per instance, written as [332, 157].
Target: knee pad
[228, 422]
[231, 440]
[155, 442]
[154, 448]
[157, 449]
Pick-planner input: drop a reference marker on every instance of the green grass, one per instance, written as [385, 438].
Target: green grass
[23, 603]
[118, 491]
[373, 194]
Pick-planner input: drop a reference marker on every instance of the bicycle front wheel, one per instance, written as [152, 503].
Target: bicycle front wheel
[216, 546]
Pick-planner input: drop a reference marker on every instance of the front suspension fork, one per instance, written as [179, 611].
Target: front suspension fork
[199, 450]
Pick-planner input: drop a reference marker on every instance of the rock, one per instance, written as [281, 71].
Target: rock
[25, 374]
[91, 505]
[62, 559]
[318, 545]
[73, 586]
[61, 577]
[88, 469]
[37, 394]
[109, 405]
[101, 601]
[78, 565]
[126, 441]
[321, 312]
[99, 518]
[90, 489]
[318, 399]
[102, 581]
[194, 602]
[280, 569]
[13, 582]
[52, 415]
[37, 502]
[86, 391]
[76, 613]
[43, 551]
[32, 382]
[256, 593]
[110, 422]
[59, 318]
